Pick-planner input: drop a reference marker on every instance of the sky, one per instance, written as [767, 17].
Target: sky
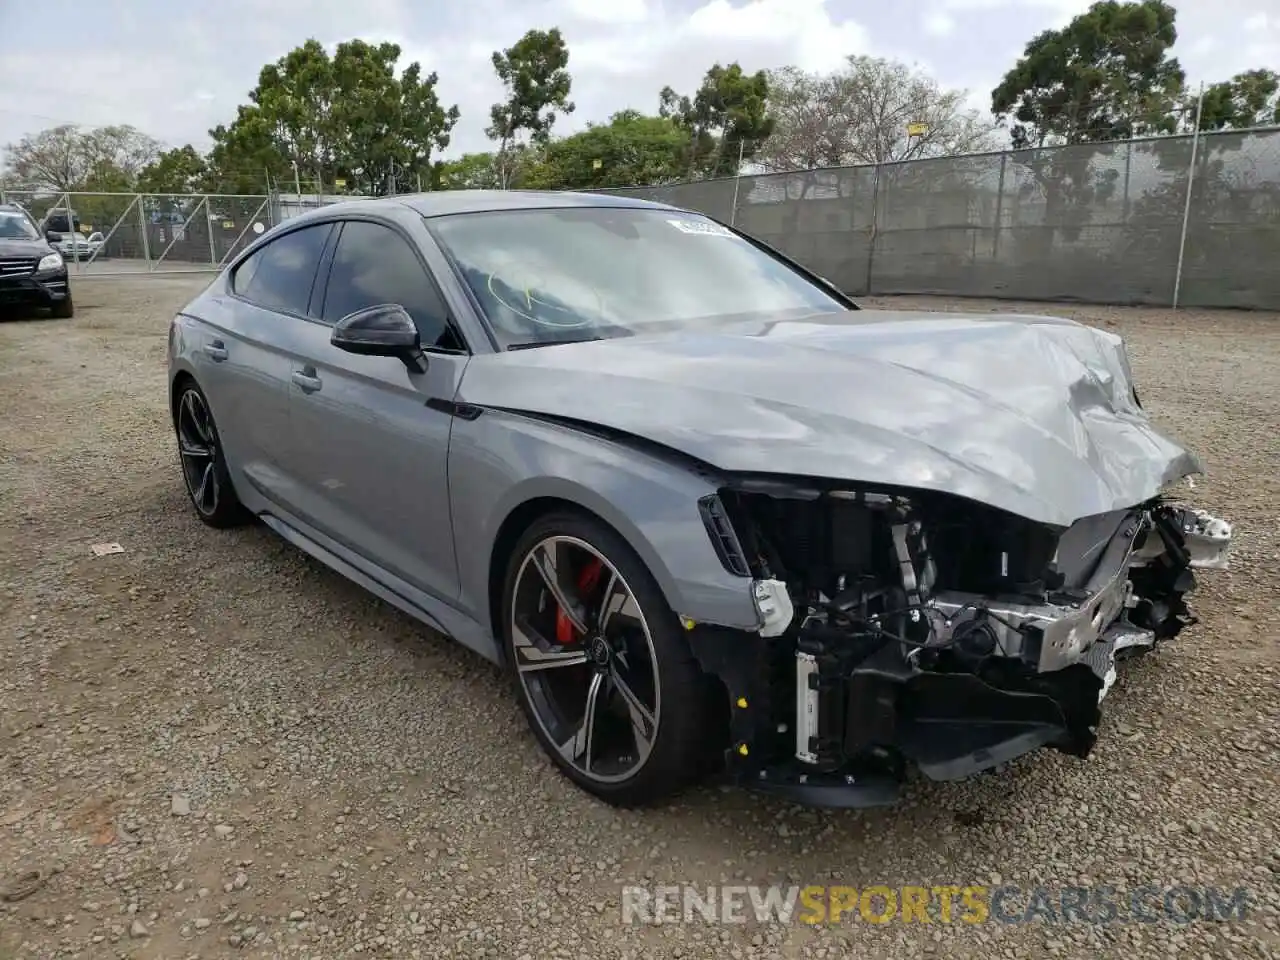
[175, 68]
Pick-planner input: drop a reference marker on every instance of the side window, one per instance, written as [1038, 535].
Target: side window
[243, 275]
[279, 276]
[373, 264]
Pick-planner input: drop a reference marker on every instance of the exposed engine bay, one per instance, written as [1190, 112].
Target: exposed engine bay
[922, 629]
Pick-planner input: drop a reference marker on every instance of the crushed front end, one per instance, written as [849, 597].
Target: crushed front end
[903, 629]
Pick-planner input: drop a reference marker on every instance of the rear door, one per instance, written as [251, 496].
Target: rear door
[243, 359]
[373, 437]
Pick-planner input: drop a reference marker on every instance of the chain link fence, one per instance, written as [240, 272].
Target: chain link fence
[115, 234]
[1191, 221]
[1101, 223]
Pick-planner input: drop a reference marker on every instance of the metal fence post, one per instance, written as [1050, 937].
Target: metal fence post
[142, 228]
[1128, 167]
[112, 232]
[186, 225]
[875, 215]
[995, 239]
[71, 225]
[208, 219]
[265, 205]
[1186, 209]
[737, 179]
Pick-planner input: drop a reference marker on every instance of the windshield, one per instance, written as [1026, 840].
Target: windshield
[58, 223]
[15, 226]
[584, 273]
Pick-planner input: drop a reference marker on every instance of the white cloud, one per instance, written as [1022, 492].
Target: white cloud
[176, 72]
[616, 68]
[938, 23]
[617, 11]
[1203, 45]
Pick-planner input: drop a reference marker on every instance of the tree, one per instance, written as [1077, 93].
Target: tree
[535, 74]
[317, 119]
[1248, 99]
[245, 157]
[68, 157]
[727, 119]
[471, 171]
[181, 170]
[860, 115]
[630, 150]
[1107, 75]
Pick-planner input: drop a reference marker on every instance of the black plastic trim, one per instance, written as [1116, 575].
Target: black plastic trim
[723, 536]
[465, 411]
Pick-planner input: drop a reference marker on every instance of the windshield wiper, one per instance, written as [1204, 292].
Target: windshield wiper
[549, 343]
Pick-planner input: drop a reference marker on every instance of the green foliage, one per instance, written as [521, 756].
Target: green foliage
[726, 119]
[356, 116]
[348, 116]
[1107, 75]
[181, 170]
[471, 171]
[630, 149]
[535, 74]
[1248, 99]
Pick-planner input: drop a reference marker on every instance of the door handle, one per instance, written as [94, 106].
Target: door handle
[306, 382]
[217, 351]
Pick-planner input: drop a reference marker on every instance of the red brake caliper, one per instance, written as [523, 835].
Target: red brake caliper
[587, 580]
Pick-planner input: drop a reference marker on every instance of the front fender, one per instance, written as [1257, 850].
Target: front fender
[501, 460]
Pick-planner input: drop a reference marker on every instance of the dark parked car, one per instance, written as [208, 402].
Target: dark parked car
[704, 509]
[32, 272]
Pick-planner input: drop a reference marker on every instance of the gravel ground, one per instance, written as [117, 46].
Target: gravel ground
[212, 746]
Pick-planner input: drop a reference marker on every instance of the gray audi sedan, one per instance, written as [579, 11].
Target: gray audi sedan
[712, 518]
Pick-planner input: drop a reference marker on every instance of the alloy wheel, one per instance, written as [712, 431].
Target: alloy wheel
[585, 658]
[198, 447]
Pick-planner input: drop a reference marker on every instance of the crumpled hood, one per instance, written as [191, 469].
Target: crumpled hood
[1034, 415]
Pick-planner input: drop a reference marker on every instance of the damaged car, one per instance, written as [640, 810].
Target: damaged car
[709, 515]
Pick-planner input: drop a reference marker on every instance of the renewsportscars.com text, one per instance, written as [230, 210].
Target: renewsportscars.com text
[971, 904]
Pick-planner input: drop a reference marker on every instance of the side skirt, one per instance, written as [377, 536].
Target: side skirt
[438, 616]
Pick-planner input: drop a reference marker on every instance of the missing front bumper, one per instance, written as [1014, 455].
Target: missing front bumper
[819, 732]
[833, 713]
[949, 724]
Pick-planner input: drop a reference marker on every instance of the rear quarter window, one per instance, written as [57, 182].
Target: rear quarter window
[279, 276]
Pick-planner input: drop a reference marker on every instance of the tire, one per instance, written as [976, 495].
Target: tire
[216, 505]
[64, 309]
[678, 752]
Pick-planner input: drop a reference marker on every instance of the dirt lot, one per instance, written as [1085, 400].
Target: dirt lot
[357, 786]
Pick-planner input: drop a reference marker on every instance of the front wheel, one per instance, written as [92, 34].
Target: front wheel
[64, 309]
[602, 668]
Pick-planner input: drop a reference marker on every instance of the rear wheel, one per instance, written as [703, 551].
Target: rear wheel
[204, 467]
[602, 668]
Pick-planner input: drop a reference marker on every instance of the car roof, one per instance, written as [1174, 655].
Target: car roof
[445, 202]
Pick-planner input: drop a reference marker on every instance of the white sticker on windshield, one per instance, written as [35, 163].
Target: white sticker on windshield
[703, 228]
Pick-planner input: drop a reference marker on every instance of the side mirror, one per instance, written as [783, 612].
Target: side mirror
[53, 236]
[383, 330]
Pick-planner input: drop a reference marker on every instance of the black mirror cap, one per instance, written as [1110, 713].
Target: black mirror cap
[383, 330]
[53, 236]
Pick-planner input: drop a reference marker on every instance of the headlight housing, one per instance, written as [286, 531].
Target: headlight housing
[52, 261]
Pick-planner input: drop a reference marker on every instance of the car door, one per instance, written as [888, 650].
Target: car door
[242, 360]
[372, 436]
